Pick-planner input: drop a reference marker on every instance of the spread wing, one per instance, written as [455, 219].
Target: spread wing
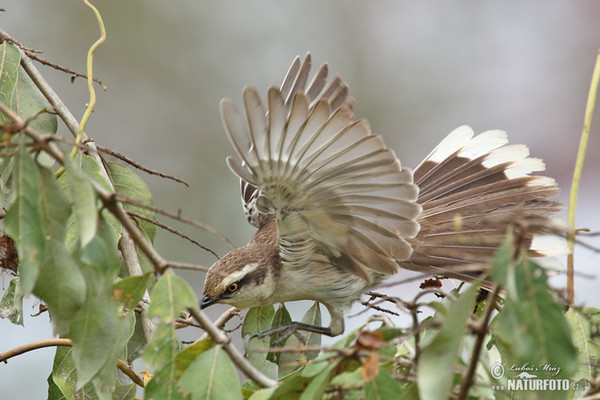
[333, 187]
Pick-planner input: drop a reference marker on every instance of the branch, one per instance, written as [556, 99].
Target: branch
[222, 339]
[68, 343]
[189, 267]
[481, 333]
[172, 230]
[137, 165]
[31, 53]
[223, 319]
[34, 346]
[127, 370]
[177, 217]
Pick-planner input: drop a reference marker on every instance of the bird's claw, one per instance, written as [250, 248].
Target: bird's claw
[283, 332]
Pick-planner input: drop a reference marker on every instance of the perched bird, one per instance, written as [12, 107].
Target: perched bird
[336, 212]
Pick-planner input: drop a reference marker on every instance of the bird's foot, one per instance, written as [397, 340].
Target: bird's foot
[286, 330]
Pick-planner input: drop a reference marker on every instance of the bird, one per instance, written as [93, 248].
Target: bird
[336, 213]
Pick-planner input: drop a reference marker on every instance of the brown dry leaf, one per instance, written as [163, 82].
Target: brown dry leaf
[370, 367]
[369, 340]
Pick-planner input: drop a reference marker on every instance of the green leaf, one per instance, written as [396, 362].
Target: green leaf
[130, 290]
[98, 329]
[93, 332]
[582, 324]
[124, 392]
[63, 378]
[352, 384]
[170, 295]
[531, 327]
[258, 319]
[316, 388]
[18, 92]
[281, 317]
[84, 200]
[28, 101]
[411, 392]
[188, 355]
[137, 342]
[92, 173]
[102, 253]
[23, 221]
[384, 387]
[104, 380]
[9, 66]
[7, 166]
[249, 387]
[127, 183]
[290, 388]
[162, 347]
[163, 386]
[289, 362]
[166, 383]
[11, 306]
[435, 371]
[212, 376]
[502, 260]
[60, 282]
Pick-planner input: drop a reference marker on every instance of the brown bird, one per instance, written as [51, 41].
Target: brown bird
[336, 212]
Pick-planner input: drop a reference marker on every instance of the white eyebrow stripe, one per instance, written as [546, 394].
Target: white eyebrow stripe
[237, 275]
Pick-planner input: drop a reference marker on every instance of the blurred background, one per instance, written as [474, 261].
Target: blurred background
[417, 70]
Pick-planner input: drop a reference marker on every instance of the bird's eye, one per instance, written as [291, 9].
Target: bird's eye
[233, 287]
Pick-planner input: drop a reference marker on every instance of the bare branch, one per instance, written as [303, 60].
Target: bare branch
[33, 54]
[172, 230]
[223, 319]
[127, 370]
[177, 217]
[481, 332]
[191, 267]
[34, 346]
[137, 165]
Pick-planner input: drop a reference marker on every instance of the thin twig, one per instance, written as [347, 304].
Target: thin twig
[74, 74]
[343, 351]
[481, 333]
[370, 306]
[223, 319]
[33, 54]
[172, 230]
[137, 165]
[190, 267]
[34, 346]
[126, 199]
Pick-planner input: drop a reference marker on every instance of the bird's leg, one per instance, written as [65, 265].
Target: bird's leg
[286, 330]
[336, 327]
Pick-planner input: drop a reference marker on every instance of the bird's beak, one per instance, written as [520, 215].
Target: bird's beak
[207, 301]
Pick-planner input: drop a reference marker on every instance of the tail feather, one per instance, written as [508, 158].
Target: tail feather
[471, 189]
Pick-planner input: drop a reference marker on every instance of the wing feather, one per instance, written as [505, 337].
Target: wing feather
[333, 187]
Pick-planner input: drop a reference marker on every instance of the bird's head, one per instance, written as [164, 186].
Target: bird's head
[244, 278]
